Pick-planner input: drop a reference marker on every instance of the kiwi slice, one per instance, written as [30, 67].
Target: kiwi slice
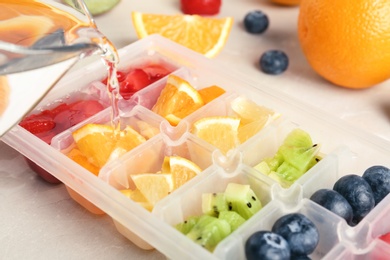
[209, 231]
[233, 218]
[96, 7]
[187, 225]
[242, 199]
[294, 157]
[214, 203]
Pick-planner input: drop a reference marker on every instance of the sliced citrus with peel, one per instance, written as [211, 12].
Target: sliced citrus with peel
[220, 131]
[96, 142]
[127, 140]
[177, 100]
[100, 143]
[81, 159]
[208, 94]
[153, 186]
[138, 197]
[182, 169]
[147, 130]
[205, 35]
[248, 111]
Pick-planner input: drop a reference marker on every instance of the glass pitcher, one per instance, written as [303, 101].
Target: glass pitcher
[40, 40]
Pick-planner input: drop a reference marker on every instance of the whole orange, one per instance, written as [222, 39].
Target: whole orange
[347, 41]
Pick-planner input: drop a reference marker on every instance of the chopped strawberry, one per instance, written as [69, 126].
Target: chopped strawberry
[120, 76]
[201, 7]
[135, 81]
[38, 124]
[156, 72]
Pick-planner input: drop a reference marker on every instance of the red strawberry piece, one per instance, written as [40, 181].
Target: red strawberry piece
[201, 7]
[38, 124]
[88, 107]
[386, 237]
[121, 75]
[156, 72]
[136, 80]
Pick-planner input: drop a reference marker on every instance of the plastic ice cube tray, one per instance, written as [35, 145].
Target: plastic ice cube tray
[345, 149]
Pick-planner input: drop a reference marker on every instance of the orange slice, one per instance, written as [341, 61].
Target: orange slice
[222, 132]
[96, 142]
[177, 100]
[182, 169]
[147, 130]
[205, 35]
[153, 186]
[101, 144]
[128, 139]
[81, 159]
[210, 93]
[138, 197]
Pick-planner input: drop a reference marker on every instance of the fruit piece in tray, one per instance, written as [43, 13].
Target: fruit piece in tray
[267, 245]
[201, 7]
[135, 79]
[208, 94]
[378, 177]
[296, 229]
[100, 144]
[227, 132]
[333, 201]
[295, 156]
[175, 171]
[353, 197]
[226, 211]
[50, 122]
[187, 30]
[177, 100]
[253, 117]
[358, 193]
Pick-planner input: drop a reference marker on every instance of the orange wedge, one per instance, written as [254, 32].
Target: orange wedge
[182, 169]
[138, 197]
[177, 100]
[205, 35]
[101, 144]
[253, 117]
[220, 131]
[153, 186]
[96, 142]
[210, 93]
[81, 159]
[128, 139]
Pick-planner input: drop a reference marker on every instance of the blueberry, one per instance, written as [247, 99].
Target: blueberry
[273, 62]
[299, 231]
[333, 201]
[266, 245]
[256, 22]
[358, 193]
[378, 177]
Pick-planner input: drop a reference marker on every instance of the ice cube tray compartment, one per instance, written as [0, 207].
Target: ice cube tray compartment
[347, 150]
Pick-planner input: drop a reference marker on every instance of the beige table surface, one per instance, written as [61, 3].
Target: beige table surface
[40, 221]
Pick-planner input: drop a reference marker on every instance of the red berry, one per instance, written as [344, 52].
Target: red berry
[201, 7]
[38, 124]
